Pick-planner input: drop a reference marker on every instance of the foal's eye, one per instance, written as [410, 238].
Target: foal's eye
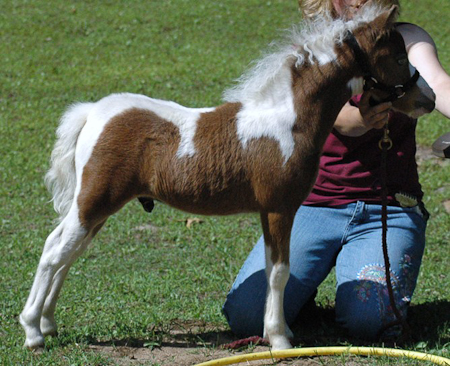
[403, 60]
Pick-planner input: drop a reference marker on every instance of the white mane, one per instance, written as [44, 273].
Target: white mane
[312, 42]
[266, 90]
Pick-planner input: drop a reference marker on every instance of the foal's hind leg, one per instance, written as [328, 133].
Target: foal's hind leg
[48, 323]
[62, 245]
[277, 231]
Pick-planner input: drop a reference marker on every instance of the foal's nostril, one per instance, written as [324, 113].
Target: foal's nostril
[427, 98]
[432, 105]
[426, 103]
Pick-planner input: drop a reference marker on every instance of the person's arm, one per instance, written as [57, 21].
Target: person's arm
[422, 54]
[356, 121]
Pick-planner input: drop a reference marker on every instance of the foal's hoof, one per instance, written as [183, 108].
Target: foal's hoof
[37, 350]
[34, 338]
[36, 345]
[280, 343]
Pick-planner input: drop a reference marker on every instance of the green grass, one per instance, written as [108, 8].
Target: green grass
[145, 272]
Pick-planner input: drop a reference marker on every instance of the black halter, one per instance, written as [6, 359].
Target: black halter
[370, 82]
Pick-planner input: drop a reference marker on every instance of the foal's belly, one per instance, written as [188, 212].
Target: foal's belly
[238, 198]
[208, 202]
[229, 186]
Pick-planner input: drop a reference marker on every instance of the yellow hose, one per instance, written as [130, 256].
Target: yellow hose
[327, 351]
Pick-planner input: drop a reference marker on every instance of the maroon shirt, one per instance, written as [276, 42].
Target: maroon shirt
[350, 167]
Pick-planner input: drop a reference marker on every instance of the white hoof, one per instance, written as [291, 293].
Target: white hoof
[288, 332]
[279, 343]
[34, 338]
[35, 344]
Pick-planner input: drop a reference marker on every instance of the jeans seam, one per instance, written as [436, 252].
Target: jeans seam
[347, 227]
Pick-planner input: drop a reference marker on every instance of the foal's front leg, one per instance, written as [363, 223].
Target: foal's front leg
[277, 232]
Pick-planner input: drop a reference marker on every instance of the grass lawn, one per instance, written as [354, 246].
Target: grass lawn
[144, 272]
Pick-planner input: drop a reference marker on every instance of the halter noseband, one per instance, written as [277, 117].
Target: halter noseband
[370, 82]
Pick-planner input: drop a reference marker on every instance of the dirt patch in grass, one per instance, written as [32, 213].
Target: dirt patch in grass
[192, 343]
[185, 344]
[189, 356]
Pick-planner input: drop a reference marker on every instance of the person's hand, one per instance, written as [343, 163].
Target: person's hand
[373, 116]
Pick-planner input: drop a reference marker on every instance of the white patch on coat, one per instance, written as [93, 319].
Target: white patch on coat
[107, 108]
[272, 116]
[265, 91]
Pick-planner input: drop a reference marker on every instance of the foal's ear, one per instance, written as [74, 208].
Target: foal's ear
[387, 19]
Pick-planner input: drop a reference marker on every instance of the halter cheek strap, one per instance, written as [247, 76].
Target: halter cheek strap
[395, 92]
[370, 82]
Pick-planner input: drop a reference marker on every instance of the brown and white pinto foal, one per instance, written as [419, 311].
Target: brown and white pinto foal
[258, 152]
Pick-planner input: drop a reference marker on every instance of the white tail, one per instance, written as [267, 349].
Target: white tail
[61, 178]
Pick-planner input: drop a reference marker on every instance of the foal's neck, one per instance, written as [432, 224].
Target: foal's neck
[320, 92]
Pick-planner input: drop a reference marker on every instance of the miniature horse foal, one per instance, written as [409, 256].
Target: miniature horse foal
[257, 153]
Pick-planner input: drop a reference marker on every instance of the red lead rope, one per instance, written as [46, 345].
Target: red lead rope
[255, 341]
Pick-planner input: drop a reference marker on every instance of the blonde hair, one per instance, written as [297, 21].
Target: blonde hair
[313, 8]
[317, 8]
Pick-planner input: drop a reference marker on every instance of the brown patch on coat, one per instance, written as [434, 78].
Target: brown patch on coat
[215, 179]
[136, 156]
[116, 168]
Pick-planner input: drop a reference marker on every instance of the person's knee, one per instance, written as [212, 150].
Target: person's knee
[362, 325]
[244, 306]
[363, 309]
[244, 320]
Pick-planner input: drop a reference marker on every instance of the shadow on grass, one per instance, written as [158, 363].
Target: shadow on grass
[178, 333]
[429, 322]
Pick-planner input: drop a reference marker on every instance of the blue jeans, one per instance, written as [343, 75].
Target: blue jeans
[348, 237]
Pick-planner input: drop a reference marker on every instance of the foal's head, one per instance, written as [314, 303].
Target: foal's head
[385, 67]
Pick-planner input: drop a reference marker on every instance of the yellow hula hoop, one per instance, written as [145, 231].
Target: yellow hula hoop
[327, 351]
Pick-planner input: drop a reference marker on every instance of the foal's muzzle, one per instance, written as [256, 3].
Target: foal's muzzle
[394, 91]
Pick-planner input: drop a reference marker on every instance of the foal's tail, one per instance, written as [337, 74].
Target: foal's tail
[61, 178]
